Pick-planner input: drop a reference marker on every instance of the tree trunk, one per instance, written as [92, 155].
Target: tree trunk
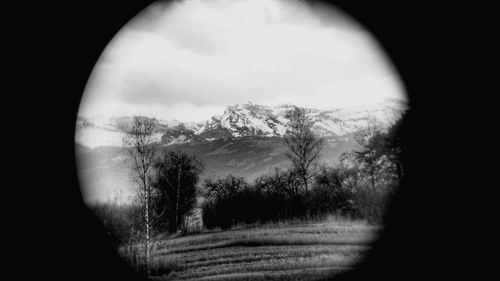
[373, 180]
[147, 224]
[177, 201]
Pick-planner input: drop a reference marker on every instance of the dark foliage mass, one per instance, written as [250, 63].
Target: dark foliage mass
[273, 198]
[226, 199]
[175, 181]
[334, 191]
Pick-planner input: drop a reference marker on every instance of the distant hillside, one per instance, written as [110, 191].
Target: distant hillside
[104, 171]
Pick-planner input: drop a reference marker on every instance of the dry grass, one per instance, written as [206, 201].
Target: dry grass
[302, 250]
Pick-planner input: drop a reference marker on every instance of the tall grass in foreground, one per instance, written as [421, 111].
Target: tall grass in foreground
[259, 251]
[339, 220]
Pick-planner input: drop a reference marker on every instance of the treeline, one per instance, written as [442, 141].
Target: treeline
[279, 196]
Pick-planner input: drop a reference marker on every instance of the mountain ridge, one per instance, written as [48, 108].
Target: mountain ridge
[241, 120]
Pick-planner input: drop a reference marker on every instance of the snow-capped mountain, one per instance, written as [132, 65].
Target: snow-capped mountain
[241, 120]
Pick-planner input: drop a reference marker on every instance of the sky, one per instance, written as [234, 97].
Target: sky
[191, 59]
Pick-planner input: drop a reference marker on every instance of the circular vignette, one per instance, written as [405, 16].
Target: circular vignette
[134, 62]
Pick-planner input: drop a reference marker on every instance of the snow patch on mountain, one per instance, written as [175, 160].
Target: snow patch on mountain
[178, 140]
[242, 120]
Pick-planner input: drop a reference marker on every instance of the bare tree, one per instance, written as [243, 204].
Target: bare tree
[283, 182]
[139, 140]
[379, 152]
[370, 152]
[304, 146]
[223, 188]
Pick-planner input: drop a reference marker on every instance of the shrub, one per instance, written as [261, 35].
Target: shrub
[228, 201]
[333, 192]
[276, 197]
[370, 203]
[282, 195]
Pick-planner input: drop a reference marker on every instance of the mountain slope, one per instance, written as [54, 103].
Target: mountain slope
[105, 171]
[241, 120]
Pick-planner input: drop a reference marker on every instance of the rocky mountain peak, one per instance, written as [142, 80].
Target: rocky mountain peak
[245, 120]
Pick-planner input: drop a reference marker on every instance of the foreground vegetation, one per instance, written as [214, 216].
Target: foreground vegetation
[296, 250]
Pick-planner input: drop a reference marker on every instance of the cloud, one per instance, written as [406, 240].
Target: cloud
[207, 54]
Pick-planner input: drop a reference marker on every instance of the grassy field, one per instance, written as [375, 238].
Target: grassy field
[286, 251]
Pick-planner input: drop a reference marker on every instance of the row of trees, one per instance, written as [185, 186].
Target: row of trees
[280, 196]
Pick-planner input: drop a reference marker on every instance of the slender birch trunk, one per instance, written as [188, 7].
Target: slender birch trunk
[139, 140]
[148, 234]
[178, 193]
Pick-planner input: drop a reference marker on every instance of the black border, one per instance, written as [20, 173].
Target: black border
[75, 237]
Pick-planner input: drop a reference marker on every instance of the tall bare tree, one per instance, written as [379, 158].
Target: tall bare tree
[375, 156]
[304, 146]
[139, 140]
[379, 152]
